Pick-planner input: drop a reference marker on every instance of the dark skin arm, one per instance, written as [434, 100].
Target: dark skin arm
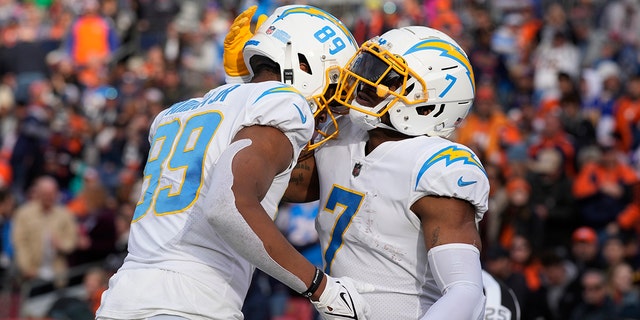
[447, 220]
[304, 184]
[271, 152]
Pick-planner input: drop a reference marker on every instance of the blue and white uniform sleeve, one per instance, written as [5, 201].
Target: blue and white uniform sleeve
[282, 107]
[453, 170]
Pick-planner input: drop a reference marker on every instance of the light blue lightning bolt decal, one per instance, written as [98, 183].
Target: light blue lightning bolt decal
[321, 14]
[450, 155]
[448, 50]
[280, 89]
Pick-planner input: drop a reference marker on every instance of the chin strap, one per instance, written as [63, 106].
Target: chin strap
[378, 120]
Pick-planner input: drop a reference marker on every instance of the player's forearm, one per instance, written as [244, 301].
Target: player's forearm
[303, 184]
[238, 217]
[277, 247]
[255, 237]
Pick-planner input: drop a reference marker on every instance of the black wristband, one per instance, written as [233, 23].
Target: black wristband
[315, 284]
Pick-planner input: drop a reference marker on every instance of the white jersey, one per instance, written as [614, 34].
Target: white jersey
[365, 225]
[180, 264]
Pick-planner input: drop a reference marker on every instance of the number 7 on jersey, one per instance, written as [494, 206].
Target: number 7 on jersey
[350, 201]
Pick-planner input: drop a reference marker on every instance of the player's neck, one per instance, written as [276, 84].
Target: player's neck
[265, 76]
[378, 136]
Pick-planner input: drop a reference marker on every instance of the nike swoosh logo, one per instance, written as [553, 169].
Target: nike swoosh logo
[462, 183]
[349, 304]
[302, 116]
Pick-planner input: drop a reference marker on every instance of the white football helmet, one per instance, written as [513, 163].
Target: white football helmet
[423, 75]
[301, 33]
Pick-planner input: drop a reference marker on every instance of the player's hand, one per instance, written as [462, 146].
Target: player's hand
[239, 33]
[341, 299]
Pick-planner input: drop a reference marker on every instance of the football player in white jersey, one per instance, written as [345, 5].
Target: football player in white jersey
[399, 203]
[217, 168]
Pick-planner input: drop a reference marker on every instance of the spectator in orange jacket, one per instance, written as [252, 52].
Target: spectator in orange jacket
[603, 188]
[552, 135]
[91, 42]
[629, 218]
[526, 261]
[627, 116]
[487, 129]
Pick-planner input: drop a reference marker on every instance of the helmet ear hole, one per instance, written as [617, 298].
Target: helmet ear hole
[439, 111]
[409, 89]
[425, 110]
[304, 64]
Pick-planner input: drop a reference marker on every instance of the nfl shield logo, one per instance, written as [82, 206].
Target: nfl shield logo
[356, 169]
[270, 30]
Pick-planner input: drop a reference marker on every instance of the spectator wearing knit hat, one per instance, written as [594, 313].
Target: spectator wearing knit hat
[585, 249]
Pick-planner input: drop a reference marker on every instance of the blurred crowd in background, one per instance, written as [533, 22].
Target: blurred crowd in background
[556, 122]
